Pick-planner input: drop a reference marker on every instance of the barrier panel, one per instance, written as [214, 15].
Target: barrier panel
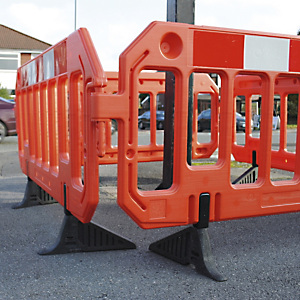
[184, 49]
[148, 83]
[153, 83]
[57, 141]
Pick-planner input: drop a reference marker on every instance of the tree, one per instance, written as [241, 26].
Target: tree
[4, 92]
[292, 108]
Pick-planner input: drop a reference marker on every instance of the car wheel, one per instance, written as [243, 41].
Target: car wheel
[160, 126]
[3, 132]
[141, 125]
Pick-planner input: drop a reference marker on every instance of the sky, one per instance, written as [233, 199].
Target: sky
[114, 24]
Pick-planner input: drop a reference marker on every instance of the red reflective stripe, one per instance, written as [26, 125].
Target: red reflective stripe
[294, 65]
[215, 49]
[60, 58]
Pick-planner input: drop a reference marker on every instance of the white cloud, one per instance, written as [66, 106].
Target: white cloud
[46, 23]
[259, 15]
[120, 34]
[114, 24]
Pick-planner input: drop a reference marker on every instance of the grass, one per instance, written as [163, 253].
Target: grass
[292, 126]
[233, 164]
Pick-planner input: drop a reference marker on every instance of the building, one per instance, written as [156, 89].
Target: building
[16, 48]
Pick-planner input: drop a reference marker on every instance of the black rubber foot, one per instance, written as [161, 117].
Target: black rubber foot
[190, 246]
[34, 195]
[76, 236]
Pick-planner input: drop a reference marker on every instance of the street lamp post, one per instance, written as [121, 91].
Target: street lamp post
[75, 17]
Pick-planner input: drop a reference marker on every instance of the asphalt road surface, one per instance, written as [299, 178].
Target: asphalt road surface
[259, 256]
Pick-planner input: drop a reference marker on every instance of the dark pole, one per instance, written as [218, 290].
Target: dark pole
[182, 11]
[75, 15]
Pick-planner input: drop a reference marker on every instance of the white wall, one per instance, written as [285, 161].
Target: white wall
[8, 79]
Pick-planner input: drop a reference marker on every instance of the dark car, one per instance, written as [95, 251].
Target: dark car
[144, 119]
[114, 126]
[7, 118]
[204, 121]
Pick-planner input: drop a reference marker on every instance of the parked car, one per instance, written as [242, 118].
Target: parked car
[144, 119]
[114, 126]
[204, 121]
[7, 118]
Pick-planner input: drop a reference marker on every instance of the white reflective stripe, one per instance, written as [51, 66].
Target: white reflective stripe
[40, 75]
[266, 53]
[48, 63]
[31, 73]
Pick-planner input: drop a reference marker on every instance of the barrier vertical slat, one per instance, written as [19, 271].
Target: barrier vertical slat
[226, 119]
[266, 129]
[37, 126]
[52, 127]
[63, 139]
[297, 160]
[44, 124]
[75, 131]
[31, 137]
[283, 125]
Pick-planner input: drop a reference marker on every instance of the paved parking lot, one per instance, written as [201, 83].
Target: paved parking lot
[259, 256]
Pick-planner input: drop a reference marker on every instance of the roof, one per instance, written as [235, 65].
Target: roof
[12, 39]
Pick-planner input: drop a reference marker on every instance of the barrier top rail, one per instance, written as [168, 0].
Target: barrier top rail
[185, 49]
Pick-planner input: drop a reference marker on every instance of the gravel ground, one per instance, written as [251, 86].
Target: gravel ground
[259, 256]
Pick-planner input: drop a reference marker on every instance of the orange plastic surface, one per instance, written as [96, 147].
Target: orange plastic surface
[153, 83]
[57, 140]
[256, 85]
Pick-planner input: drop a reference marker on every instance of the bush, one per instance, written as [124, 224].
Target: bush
[4, 92]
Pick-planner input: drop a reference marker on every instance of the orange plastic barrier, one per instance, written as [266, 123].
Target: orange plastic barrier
[203, 84]
[57, 140]
[255, 85]
[153, 83]
[64, 102]
[184, 49]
